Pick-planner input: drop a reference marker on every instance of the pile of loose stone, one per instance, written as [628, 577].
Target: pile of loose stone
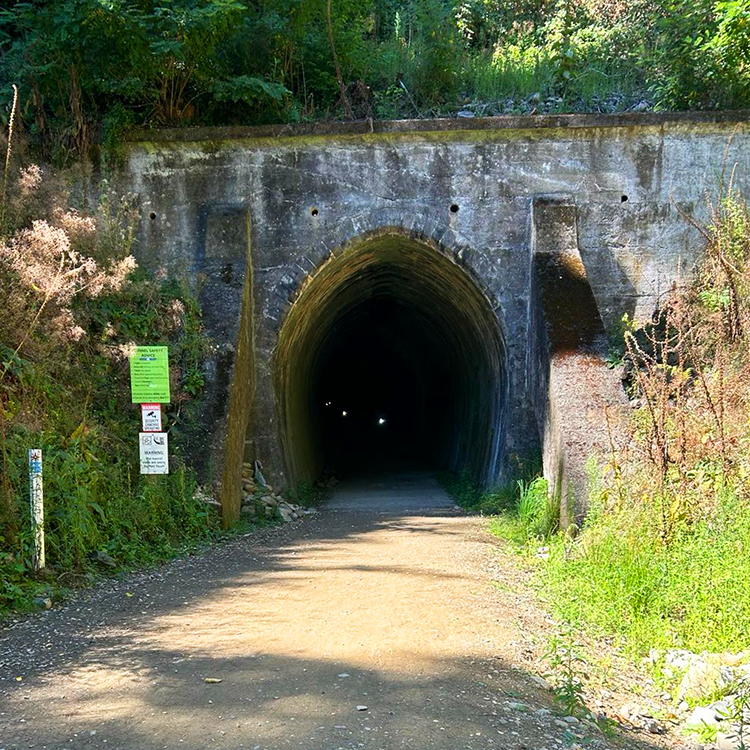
[259, 502]
[712, 692]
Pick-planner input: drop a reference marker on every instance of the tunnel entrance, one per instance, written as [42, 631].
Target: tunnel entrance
[391, 357]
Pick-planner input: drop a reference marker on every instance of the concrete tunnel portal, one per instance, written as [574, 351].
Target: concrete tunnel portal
[317, 252]
[391, 356]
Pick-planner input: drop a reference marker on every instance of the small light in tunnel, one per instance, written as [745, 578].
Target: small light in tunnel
[343, 413]
[328, 403]
[381, 421]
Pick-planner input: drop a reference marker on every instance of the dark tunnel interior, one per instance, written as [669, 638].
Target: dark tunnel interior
[382, 389]
[390, 358]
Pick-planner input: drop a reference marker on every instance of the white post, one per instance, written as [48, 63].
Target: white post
[37, 506]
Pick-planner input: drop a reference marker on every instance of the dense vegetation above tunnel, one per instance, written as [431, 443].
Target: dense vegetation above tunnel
[88, 69]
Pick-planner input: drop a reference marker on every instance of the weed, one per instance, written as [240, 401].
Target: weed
[620, 579]
[531, 516]
[537, 512]
[521, 513]
[705, 732]
[739, 716]
[567, 673]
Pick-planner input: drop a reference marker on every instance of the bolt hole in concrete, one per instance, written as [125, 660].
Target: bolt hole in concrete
[623, 199]
[313, 211]
[391, 359]
[152, 216]
[454, 208]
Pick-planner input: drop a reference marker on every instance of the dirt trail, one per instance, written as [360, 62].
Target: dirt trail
[304, 625]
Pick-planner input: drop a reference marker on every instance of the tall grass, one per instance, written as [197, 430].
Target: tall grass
[663, 559]
[693, 593]
[520, 512]
[514, 71]
[531, 73]
[532, 517]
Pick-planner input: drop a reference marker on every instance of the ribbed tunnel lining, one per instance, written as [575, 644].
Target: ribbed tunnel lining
[436, 369]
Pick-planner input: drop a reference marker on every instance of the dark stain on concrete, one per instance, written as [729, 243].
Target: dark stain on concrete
[571, 312]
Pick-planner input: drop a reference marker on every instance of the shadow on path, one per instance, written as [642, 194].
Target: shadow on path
[302, 625]
[407, 489]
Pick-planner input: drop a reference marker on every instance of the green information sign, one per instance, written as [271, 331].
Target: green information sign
[149, 375]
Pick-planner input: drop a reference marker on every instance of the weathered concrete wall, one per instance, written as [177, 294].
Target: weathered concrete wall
[579, 403]
[465, 187]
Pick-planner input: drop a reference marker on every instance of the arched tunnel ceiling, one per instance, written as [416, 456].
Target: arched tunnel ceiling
[428, 329]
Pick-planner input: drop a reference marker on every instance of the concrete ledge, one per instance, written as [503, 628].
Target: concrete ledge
[443, 125]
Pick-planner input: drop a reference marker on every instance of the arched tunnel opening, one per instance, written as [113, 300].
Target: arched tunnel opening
[391, 357]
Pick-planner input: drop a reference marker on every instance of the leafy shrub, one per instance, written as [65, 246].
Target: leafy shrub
[74, 305]
[701, 55]
[88, 70]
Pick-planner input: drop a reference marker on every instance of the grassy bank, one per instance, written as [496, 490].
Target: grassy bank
[621, 579]
[74, 305]
[662, 559]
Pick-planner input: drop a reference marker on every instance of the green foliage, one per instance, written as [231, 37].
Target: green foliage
[661, 561]
[511, 71]
[701, 55]
[536, 510]
[738, 713]
[532, 517]
[691, 594]
[81, 64]
[432, 75]
[74, 305]
[468, 494]
[521, 513]
[567, 671]
[81, 61]
[310, 495]
[705, 732]
[95, 500]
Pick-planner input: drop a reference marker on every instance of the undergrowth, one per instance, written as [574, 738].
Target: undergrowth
[692, 593]
[74, 305]
[86, 72]
[662, 558]
[520, 512]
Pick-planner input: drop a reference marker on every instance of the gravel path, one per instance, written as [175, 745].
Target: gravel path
[349, 629]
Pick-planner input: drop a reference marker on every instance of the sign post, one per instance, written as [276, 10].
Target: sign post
[149, 386]
[36, 499]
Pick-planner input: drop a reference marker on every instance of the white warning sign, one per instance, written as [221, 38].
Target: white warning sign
[154, 453]
[151, 417]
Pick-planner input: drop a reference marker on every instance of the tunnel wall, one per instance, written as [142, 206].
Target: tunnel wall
[579, 402]
[427, 282]
[298, 196]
